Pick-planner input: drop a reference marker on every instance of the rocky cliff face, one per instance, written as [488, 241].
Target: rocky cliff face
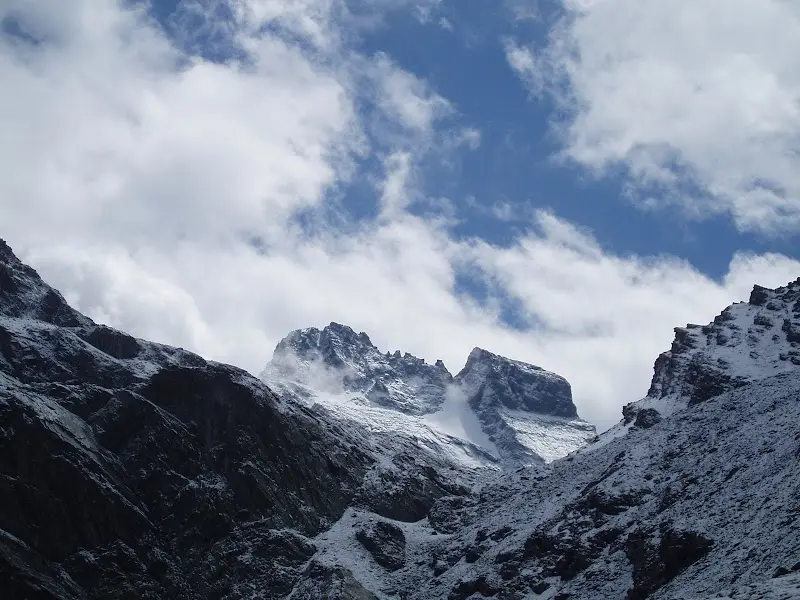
[336, 358]
[492, 381]
[746, 342]
[132, 469]
[526, 411]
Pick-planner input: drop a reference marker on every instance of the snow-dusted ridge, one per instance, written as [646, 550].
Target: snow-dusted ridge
[132, 469]
[694, 495]
[496, 411]
[747, 342]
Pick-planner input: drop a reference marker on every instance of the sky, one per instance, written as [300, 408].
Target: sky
[558, 181]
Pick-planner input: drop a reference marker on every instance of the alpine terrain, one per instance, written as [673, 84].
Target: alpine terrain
[130, 469]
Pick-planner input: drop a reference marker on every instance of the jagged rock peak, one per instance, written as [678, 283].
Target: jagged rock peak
[6, 253]
[746, 342]
[337, 357]
[496, 380]
[526, 411]
[23, 294]
[335, 344]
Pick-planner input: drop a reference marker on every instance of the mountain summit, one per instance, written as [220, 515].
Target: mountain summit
[520, 413]
[336, 358]
[526, 411]
[746, 342]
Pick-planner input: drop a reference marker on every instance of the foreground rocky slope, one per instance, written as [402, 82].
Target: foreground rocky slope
[131, 469]
[701, 502]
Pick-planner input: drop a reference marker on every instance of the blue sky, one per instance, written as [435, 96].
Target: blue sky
[561, 181]
[458, 49]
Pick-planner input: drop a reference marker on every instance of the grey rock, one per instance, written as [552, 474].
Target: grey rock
[385, 542]
[330, 583]
[494, 385]
[646, 418]
[341, 359]
[491, 380]
[127, 466]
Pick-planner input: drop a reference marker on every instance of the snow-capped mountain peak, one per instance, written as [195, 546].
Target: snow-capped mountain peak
[526, 411]
[489, 379]
[517, 412]
[337, 359]
[746, 342]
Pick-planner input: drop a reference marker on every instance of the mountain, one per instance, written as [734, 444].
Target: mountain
[130, 469]
[694, 495]
[526, 411]
[337, 359]
[746, 342]
[495, 411]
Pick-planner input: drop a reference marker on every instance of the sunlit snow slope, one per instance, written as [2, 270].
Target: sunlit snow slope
[495, 412]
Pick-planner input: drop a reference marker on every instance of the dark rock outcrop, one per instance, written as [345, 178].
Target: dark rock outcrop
[113, 342]
[385, 542]
[133, 468]
[646, 418]
[495, 381]
[408, 490]
[655, 563]
[330, 583]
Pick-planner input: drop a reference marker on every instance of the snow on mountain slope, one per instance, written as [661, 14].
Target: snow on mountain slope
[697, 501]
[701, 502]
[337, 359]
[526, 411]
[547, 437]
[746, 342]
[388, 396]
[389, 425]
[704, 502]
[495, 410]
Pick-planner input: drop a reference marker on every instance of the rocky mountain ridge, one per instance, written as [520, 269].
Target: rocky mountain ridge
[337, 359]
[130, 469]
[521, 413]
[747, 342]
[694, 495]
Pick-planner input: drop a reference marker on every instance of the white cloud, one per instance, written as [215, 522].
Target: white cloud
[160, 199]
[699, 100]
[524, 63]
[111, 137]
[395, 186]
[408, 98]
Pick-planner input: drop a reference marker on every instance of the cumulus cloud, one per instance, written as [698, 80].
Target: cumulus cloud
[698, 101]
[160, 190]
